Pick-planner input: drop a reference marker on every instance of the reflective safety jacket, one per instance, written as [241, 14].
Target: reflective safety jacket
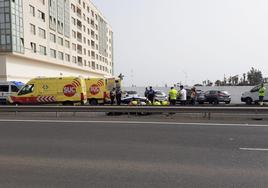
[173, 94]
[262, 91]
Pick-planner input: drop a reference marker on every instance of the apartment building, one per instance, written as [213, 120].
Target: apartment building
[54, 38]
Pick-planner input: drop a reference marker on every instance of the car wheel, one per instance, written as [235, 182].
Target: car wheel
[227, 102]
[248, 101]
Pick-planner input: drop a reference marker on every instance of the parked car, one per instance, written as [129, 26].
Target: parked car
[216, 96]
[127, 100]
[160, 96]
[200, 96]
[252, 96]
[7, 89]
[130, 94]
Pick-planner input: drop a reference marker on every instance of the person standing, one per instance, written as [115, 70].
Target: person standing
[112, 96]
[193, 96]
[151, 95]
[118, 96]
[146, 92]
[173, 93]
[183, 95]
[262, 93]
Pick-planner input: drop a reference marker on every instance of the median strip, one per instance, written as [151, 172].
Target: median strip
[254, 149]
[133, 122]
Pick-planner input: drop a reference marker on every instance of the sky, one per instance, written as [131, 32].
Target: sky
[158, 42]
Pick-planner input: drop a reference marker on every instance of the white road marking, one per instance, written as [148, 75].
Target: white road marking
[132, 122]
[254, 149]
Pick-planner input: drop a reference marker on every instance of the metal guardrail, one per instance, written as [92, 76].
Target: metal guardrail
[136, 109]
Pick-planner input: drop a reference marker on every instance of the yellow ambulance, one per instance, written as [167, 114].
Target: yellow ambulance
[98, 89]
[63, 90]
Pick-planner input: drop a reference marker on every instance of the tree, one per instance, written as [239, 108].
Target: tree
[218, 83]
[254, 76]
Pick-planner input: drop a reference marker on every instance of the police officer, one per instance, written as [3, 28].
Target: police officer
[173, 96]
[262, 93]
[118, 96]
[151, 95]
[112, 96]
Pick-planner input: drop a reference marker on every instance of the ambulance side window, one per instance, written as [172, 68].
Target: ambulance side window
[4, 88]
[27, 89]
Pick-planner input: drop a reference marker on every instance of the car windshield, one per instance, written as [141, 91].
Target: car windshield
[132, 92]
[256, 88]
[159, 93]
[225, 92]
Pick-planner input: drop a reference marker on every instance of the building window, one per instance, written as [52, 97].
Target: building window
[32, 27]
[42, 33]
[53, 53]
[73, 8]
[60, 55]
[73, 46]
[67, 44]
[33, 47]
[60, 41]
[73, 59]
[73, 21]
[42, 1]
[41, 15]
[67, 57]
[74, 34]
[42, 50]
[52, 37]
[32, 10]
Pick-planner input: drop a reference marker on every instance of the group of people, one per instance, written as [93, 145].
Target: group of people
[173, 95]
[116, 94]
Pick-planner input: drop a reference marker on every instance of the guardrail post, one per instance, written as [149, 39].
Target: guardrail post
[209, 115]
[16, 111]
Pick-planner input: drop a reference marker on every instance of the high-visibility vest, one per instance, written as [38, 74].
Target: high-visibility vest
[262, 91]
[173, 94]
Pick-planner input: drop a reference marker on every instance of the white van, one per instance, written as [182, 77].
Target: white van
[7, 89]
[253, 95]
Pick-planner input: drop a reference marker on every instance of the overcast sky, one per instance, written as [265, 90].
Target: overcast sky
[161, 42]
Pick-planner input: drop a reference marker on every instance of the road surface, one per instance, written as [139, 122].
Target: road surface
[87, 154]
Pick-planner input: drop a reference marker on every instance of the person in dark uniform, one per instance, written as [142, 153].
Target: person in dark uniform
[112, 96]
[151, 95]
[118, 96]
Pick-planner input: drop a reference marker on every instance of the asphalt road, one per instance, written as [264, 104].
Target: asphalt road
[127, 155]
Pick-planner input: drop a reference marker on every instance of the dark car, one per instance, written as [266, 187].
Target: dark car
[216, 96]
[200, 97]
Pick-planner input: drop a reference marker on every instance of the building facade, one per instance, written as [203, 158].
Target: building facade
[53, 38]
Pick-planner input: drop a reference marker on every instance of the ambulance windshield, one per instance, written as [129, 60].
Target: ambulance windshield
[26, 89]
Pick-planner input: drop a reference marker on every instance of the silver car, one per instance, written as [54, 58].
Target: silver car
[160, 96]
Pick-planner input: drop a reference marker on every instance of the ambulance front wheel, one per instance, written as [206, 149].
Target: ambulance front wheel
[67, 103]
